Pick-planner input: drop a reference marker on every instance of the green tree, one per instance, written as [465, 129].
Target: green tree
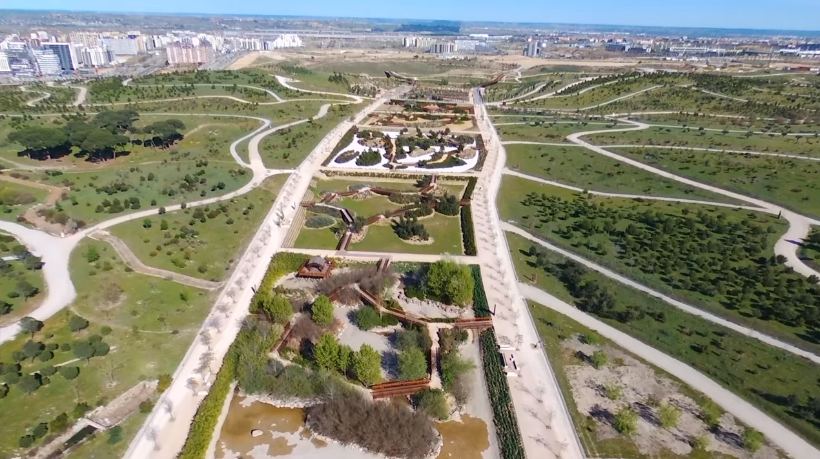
[450, 282]
[326, 352]
[367, 318]
[752, 439]
[277, 307]
[669, 416]
[433, 403]
[40, 138]
[322, 311]
[32, 349]
[453, 366]
[69, 372]
[77, 323]
[4, 390]
[30, 383]
[83, 350]
[30, 325]
[115, 435]
[626, 421]
[367, 365]
[412, 364]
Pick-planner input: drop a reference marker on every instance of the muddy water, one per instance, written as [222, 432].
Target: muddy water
[284, 434]
[463, 440]
[277, 425]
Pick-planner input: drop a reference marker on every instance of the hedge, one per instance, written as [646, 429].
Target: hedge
[506, 426]
[468, 190]
[207, 415]
[480, 306]
[467, 231]
[482, 151]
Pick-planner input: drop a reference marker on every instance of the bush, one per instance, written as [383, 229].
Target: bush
[319, 221]
[349, 418]
[77, 323]
[450, 282]
[367, 317]
[752, 439]
[433, 403]
[322, 311]
[115, 435]
[598, 359]
[275, 306]
[367, 365]
[412, 364]
[69, 372]
[448, 205]
[368, 158]
[669, 416]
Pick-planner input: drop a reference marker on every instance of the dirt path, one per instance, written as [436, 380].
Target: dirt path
[131, 259]
[31, 216]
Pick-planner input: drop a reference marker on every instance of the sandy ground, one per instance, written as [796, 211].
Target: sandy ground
[478, 404]
[639, 383]
[355, 337]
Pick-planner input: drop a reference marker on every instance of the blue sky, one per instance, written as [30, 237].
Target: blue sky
[768, 14]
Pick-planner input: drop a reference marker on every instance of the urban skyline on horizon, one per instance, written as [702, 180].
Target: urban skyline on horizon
[758, 14]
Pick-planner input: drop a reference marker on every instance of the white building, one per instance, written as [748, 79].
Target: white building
[65, 52]
[47, 62]
[95, 57]
[286, 40]
[183, 54]
[4, 63]
[467, 46]
[122, 46]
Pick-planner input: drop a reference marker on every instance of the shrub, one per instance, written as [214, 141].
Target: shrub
[367, 318]
[69, 372]
[276, 306]
[669, 416]
[77, 323]
[433, 402]
[412, 364]
[509, 437]
[448, 205]
[115, 435]
[450, 282]
[626, 421]
[368, 158]
[319, 221]
[752, 439]
[598, 359]
[350, 418]
[367, 365]
[322, 311]
[467, 231]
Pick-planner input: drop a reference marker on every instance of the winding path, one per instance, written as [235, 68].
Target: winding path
[665, 298]
[787, 245]
[791, 443]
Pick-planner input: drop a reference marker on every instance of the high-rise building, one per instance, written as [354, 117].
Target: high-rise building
[95, 57]
[532, 49]
[65, 52]
[122, 46]
[47, 62]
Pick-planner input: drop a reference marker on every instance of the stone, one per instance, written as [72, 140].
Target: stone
[256, 433]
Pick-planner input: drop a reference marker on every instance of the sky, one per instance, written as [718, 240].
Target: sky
[757, 14]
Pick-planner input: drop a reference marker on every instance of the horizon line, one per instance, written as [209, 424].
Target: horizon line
[309, 16]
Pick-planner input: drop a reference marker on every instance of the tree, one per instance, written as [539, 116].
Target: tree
[626, 421]
[26, 289]
[453, 366]
[69, 372]
[752, 439]
[412, 364]
[598, 359]
[30, 383]
[669, 416]
[367, 365]
[448, 205]
[322, 311]
[450, 282]
[101, 143]
[83, 350]
[116, 121]
[433, 403]
[277, 307]
[115, 435]
[326, 352]
[77, 323]
[40, 138]
[32, 349]
[30, 325]
[4, 390]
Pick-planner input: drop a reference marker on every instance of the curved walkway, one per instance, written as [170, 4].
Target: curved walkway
[286, 82]
[794, 445]
[131, 259]
[787, 245]
[719, 150]
[32, 102]
[222, 85]
[665, 298]
[82, 94]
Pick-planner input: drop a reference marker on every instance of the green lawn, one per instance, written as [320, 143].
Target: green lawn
[764, 375]
[201, 249]
[548, 130]
[21, 288]
[445, 232]
[792, 183]
[716, 258]
[585, 169]
[592, 97]
[694, 137]
[16, 198]
[811, 252]
[316, 239]
[729, 123]
[286, 149]
[150, 323]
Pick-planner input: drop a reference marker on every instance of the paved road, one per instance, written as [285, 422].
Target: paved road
[787, 245]
[286, 82]
[543, 419]
[665, 298]
[744, 411]
[717, 150]
[166, 428]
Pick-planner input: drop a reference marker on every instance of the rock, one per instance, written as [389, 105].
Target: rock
[256, 433]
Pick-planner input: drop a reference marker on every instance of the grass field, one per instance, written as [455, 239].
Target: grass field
[445, 232]
[288, 148]
[729, 123]
[811, 252]
[16, 198]
[693, 137]
[591, 97]
[760, 373]
[200, 249]
[546, 130]
[147, 322]
[715, 258]
[17, 282]
[583, 168]
[792, 183]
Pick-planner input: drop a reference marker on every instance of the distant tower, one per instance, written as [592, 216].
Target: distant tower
[532, 49]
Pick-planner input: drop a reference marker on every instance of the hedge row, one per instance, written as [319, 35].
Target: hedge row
[479, 143]
[207, 415]
[468, 190]
[467, 231]
[389, 175]
[480, 306]
[506, 426]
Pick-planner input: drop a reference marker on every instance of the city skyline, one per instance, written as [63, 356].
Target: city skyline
[797, 15]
